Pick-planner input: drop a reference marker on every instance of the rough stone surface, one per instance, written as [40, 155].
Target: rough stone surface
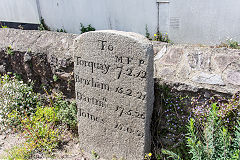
[200, 67]
[51, 54]
[114, 92]
[234, 78]
[208, 78]
[39, 55]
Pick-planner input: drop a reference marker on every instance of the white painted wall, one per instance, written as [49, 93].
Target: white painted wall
[205, 21]
[126, 15]
[24, 11]
[186, 21]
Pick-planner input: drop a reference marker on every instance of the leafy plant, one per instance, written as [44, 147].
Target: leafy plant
[39, 119]
[171, 154]
[21, 152]
[214, 141]
[67, 114]
[161, 37]
[233, 44]
[147, 33]
[169, 120]
[40, 129]
[61, 30]
[148, 156]
[55, 78]
[88, 28]
[43, 25]
[228, 110]
[95, 156]
[4, 26]
[16, 97]
[9, 50]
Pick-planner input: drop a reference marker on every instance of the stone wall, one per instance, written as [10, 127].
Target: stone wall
[46, 58]
[193, 68]
[179, 70]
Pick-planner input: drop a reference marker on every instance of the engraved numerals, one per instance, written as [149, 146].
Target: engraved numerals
[129, 129]
[130, 72]
[129, 112]
[129, 92]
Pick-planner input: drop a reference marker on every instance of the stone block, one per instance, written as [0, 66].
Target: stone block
[234, 78]
[208, 78]
[114, 93]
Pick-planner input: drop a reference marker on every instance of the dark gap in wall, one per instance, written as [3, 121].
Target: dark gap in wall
[16, 25]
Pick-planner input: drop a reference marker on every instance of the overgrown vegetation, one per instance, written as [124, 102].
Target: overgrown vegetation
[38, 118]
[3, 26]
[230, 43]
[163, 37]
[147, 33]
[61, 30]
[213, 130]
[88, 28]
[170, 116]
[9, 50]
[43, 26]
[233, 44]
[159, 36]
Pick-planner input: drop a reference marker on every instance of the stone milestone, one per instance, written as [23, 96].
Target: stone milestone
[114, 92]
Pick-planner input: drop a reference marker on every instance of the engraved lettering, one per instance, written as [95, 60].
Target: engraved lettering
[92, 100]
[102, 44]
[123, 60]
[110, 48]
[129, 59]
[104, 68]
[130, 72]
[129, 129]
[91, 117]
[130, 92]
[92, 83]
[119, 59]
[120, 71]
[141, 62]
[129, 112]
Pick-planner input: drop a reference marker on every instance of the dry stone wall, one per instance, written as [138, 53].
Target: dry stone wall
[39, 56]
[192, 68]
[48, 57]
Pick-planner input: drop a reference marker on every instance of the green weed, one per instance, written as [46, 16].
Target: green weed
[147, 34]
[161, 37]
[88, 28]
[39, 119]
[43, 26]
[214, 141]
[61, 30]
[4, 26]
[9, 50]
[233, 44]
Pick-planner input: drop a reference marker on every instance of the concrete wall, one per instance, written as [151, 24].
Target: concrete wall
[186, 21]
[204, 21]
[24, 11]
[124, 15]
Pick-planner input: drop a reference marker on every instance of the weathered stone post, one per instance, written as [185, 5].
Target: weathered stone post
[115, 93]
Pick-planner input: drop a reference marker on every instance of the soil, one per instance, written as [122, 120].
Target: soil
[68, 150]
